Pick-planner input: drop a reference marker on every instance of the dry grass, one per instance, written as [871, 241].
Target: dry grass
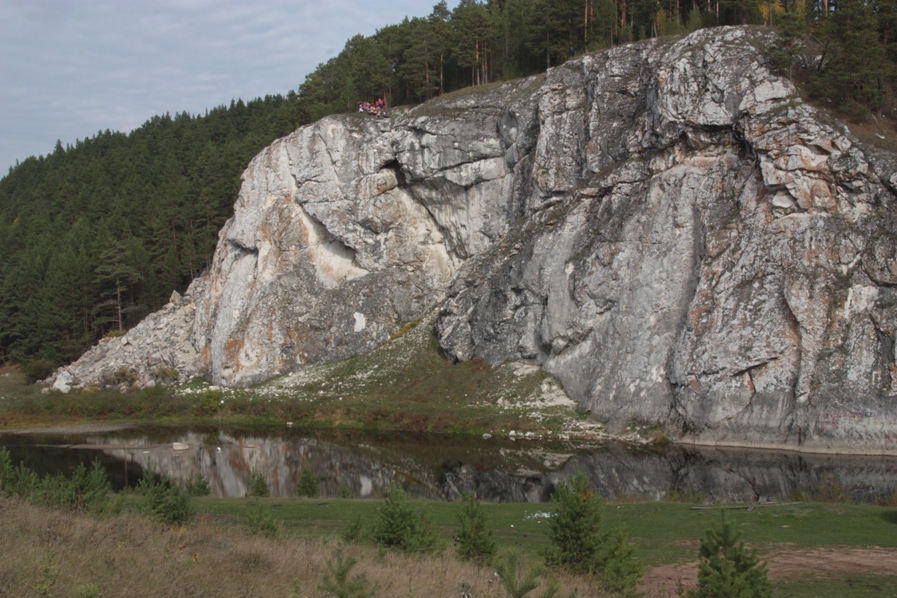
[58, 554]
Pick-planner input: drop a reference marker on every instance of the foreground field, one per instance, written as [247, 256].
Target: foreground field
[813, 550]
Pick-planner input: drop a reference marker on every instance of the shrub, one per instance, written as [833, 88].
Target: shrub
[198, 485]
[84, 491]
[164, 500]
[209, 402]
[574, 531]
[166, 374]
[344, 491]
[340, 585]
[474, 540]
[398, 525]
[20, 481]
[578, 545]
[308, 484]
[260, 518]
[622, 570]
[354, 531]
[518, 584]
[727, 568]
[126, 375]
[258, 486]
[7, 472]
[38, 369]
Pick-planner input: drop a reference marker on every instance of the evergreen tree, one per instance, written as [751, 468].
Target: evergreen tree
[727, 568]
[575, 530]
[308, 483]
[853, 61]
[474, 538]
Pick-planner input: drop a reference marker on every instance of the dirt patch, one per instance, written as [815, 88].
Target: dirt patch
[784, 565]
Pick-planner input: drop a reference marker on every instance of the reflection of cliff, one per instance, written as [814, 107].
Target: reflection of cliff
[719, 476]
[526, 472]
[227, 462]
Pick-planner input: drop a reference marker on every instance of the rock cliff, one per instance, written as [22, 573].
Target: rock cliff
[665, 227]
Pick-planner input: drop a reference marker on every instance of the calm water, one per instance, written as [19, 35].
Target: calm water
[443, 468]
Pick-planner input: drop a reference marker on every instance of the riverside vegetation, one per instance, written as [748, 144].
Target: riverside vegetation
[73, 547]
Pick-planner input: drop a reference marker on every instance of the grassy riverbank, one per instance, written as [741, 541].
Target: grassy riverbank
[813, 549]
[405, 385]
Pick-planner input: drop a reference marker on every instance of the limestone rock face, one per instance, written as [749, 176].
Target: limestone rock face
[663, 226]
[157, 350]
[717, 259]
[326, 256]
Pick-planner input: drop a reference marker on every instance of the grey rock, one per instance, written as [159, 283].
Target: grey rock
[724, 274]
[665, 227]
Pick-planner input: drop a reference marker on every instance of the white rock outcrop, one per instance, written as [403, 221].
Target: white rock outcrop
[666, 227]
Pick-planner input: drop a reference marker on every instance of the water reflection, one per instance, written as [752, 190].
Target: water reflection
[440, 468]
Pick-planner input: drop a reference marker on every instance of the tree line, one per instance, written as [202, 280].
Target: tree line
[95, 235]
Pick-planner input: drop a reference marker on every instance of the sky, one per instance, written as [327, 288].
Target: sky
[71, 68]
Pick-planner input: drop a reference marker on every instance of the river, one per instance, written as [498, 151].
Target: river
[445, 468]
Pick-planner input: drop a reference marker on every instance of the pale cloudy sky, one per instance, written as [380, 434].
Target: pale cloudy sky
[70, 68]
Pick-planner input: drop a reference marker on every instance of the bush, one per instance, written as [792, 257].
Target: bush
[260, 518]
[126, 375]
[727, 568]
[340, 585]
[308, 484]
[166, 374]
[16, 481]
[344, 491]
[209, 402]
[164, 500]
[578, 545]
[258, 486]
[622, 570]
[474, 540]
[38, 369]
[574, 531]
[198, 485]
[7, 472]
[355, 531]
[518, 584]
[398, 525]
[84, 491]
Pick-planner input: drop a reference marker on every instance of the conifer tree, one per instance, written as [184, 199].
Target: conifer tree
[727, 568]
[474, 538]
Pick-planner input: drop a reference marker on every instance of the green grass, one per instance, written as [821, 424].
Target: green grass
[665, 533]
[659, 529]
